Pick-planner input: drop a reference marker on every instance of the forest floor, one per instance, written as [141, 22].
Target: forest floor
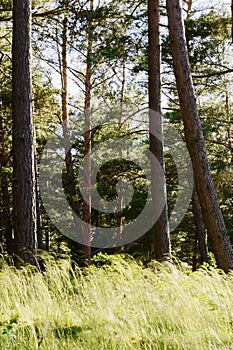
[115, 303]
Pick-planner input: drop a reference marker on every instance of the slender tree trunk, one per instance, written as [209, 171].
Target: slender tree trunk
[189, 4]
[47, 240]
[161, 231]
[65, 119]
[24, 183]
[120, 194]
[87, 142]
[211, 212]
[38, 213]
[229, 134]
[195, 251]
[200, 231]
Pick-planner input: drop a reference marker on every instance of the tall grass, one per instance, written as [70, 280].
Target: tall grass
[121, 305]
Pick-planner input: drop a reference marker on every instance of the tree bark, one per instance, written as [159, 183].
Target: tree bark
[200, 231]
[161, 230]
[24, 183]
[229, 133]
[189, 4]
[87, 142]
[38, 212]
[211, 212]
[120, 153]
[71, 188]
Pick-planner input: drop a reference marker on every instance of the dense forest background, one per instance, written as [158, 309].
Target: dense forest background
[89, 59]
[133, 100]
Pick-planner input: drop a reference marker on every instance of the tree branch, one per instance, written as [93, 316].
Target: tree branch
[213, 74]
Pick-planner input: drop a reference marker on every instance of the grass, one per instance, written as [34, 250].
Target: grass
[121, 305]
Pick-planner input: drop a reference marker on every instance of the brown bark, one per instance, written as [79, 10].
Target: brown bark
[211, 212]
[71, 187]
[87, 142]
[38, 213]
[24, 191]
[65, 119]
[195, 251]
[229, 134]
[189, 4]
[161, 230]
[120, 194]
[212, 74]
[200, 245]
[64, 70]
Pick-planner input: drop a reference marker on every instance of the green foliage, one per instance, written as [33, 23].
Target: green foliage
[124, 305]
[206, 37]
[100, 259]
[118, 34]
[211, 263]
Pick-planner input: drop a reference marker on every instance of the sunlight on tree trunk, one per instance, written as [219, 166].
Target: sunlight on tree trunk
[211, 212]
[161, 230]
[87, 141]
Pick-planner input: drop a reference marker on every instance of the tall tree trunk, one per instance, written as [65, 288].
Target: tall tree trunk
[200, 245]
[120, 194]
[211, 212]
[87, 141]
[71, 188]
[38, 213]
[229, 134]
[24, 183]
[161, 230]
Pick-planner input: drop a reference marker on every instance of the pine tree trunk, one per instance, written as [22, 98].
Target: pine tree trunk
[229, 133]
[71, 187]
[200, 231]
[87, 142]
[161, 231]
[120, 153]
[211, 212]
[38, 212]
[24, 183]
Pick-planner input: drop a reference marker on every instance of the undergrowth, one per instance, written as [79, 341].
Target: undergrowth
[115, 303]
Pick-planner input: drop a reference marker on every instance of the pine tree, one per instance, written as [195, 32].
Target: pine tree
[24, 182]
[161, 231]
[211, 212]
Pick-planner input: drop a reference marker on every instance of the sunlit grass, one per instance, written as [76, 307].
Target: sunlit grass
[121, 305]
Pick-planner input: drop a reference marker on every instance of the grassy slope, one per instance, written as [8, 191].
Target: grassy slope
[121, 306]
